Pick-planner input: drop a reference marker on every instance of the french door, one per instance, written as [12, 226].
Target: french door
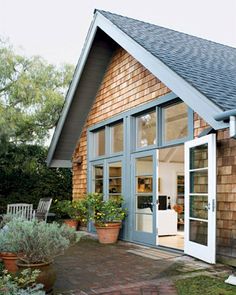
[200, 198]
[144, 188]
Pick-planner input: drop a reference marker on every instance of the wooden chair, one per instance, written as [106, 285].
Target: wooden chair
[21, 210]
[41, 213]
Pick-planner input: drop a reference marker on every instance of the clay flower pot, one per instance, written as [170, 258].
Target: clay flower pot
[71, 223]
[9, 260]
[47, 275]
[108, 233]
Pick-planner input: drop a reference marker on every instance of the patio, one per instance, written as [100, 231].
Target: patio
[124, 268]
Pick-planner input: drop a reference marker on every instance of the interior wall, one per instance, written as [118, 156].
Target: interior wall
[168, 179]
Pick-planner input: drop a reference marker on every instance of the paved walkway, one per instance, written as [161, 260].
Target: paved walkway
[122, 269]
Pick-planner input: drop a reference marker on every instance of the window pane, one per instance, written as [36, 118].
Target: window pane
[144, 184]
[198, 232]
[146, 129]
[117, 138]
[144, 202]
[199, 207]
[115, 179]
[176, 121]
[199, 181]
[144, 222]
[144, 166]
[99, 142]
[98, 179]
[199, 156]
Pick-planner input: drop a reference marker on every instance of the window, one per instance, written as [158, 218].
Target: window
[146, 125]
[99, 142]
[115, 179]
[175, 122]
[117, 138]
[98, 178]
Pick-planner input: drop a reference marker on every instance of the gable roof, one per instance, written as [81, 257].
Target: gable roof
[200, 72]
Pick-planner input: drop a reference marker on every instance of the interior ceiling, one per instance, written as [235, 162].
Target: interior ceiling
[172, 155]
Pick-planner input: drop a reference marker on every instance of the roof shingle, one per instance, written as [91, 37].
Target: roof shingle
[208, 66]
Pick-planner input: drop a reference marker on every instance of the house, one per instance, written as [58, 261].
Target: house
[150, 114]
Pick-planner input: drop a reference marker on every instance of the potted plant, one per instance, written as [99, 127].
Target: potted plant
[107, 216]
[72, 212]
[39, 244]
[8, 248]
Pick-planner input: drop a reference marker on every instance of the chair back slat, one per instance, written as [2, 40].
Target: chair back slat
[21, 210]
[43, 208]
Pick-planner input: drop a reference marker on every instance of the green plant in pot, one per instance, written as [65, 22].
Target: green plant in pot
[72, 212]
[8, 248]
[107, 216]
[39, 244]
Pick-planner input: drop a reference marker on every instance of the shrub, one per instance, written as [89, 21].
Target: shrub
[23, 284]
[72, 209]
[40, 242]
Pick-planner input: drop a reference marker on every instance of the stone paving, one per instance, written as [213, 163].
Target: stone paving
[91, 268]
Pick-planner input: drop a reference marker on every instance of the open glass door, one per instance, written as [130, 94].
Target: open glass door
[144, 166]
[200, 198]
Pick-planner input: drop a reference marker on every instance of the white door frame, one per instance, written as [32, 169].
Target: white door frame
[206, 253]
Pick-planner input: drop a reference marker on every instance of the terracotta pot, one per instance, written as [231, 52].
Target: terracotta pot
[9, 259]
[47, 275]
[108, 234]
[71, 223]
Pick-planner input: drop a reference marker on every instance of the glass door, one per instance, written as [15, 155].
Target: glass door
[200, 198]
[144, 178]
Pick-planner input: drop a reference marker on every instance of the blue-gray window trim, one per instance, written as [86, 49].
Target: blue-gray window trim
[157, 104]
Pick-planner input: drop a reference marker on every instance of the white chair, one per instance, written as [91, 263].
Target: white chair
[21, 210]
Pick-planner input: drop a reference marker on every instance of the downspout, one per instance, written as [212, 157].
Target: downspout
[228, 116]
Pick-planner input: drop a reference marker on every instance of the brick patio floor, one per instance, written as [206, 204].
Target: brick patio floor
[91, 268]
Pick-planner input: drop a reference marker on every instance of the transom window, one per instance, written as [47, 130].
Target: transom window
[146, 125]
[117, 137]
[108, 140]
[99, 142]
[175, 122]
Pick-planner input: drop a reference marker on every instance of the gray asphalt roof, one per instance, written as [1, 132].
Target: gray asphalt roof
[208, 66]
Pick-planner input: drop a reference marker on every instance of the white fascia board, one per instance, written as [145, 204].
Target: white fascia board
[71, 91]
[190, 95]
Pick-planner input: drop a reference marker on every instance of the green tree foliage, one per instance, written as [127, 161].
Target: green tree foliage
[24, 176]
[31, 98]
[31, 95]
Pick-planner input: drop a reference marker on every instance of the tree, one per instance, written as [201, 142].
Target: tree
[31, 95]
[24, 176]
[31, 98]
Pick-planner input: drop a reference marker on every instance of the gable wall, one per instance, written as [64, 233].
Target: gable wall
[126, 85]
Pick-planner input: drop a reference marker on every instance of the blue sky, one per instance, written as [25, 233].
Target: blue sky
[56, 29]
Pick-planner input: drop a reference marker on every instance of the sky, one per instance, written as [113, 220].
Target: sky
[56, 29]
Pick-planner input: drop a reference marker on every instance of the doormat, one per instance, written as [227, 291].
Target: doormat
[155, 254]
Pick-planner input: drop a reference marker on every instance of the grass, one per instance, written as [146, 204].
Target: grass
[204, 285]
